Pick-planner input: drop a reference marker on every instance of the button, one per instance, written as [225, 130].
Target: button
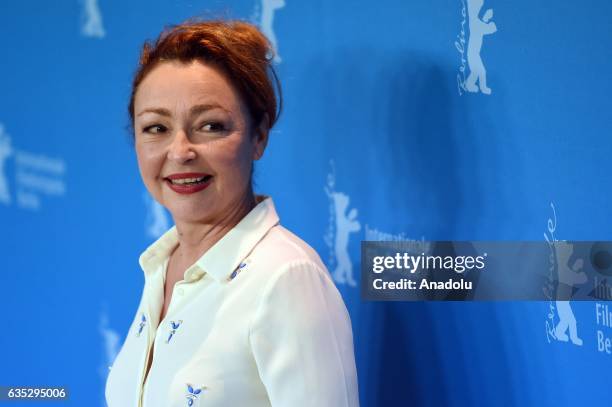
[181, 291]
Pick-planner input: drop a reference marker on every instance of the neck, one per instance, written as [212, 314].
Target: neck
[196, 238]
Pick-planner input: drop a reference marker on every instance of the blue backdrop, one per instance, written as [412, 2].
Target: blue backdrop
[436, 120]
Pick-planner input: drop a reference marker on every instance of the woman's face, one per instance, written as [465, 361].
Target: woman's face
[190, 122]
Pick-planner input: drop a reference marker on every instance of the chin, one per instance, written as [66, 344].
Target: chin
[187, 214]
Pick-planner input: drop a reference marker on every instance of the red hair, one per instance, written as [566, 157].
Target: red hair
[238, 48]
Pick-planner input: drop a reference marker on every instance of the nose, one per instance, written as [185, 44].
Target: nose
[181, 149]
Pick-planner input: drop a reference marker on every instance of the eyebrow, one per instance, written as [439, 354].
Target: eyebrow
[195, 110]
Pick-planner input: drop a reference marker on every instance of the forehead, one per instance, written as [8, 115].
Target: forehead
[177, 85]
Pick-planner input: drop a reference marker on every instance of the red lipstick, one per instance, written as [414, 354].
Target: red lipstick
[191, 187]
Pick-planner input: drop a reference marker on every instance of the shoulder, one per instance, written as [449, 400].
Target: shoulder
[294, 284]
[290, 259]
[282, 255]
[281, 248]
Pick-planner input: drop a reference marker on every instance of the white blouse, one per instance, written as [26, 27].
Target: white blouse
[256, 321]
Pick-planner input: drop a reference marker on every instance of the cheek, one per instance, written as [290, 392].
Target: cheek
[234, 159]
[149, 161]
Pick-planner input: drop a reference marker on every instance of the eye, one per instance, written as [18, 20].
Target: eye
[214, 127]
[154, 129]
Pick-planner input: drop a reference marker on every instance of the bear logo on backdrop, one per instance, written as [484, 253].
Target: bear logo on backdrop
[569, 276]
[91, 17]
[479, 27]
[561, 324]
[560, 316]
[35, 175]
[264, 18]
[342, 223]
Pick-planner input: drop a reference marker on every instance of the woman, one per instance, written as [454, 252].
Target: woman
[236, 310]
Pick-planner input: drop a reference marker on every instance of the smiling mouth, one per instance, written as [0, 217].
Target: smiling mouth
[189, 181]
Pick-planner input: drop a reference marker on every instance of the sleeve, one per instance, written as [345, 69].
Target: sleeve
[302, 340]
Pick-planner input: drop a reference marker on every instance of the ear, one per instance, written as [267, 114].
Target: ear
[260, 138]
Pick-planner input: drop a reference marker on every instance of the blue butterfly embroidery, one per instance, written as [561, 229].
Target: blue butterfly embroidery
[238, 270]
[143, 322]
[173, 327]
[193, 394]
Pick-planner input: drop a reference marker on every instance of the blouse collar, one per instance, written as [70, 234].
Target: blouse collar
[225, 255]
